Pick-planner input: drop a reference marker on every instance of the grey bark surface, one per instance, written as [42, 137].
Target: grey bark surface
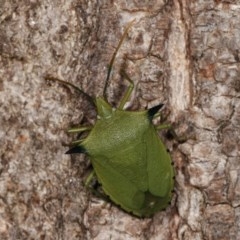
[182, 53]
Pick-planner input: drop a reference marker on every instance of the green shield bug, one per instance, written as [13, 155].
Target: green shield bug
[129, 160]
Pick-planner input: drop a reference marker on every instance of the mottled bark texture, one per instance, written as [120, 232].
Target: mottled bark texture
[182, 53]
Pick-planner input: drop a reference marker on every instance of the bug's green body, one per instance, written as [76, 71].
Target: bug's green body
[129, 159]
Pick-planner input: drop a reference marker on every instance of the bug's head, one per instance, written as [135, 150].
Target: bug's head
[104, 109]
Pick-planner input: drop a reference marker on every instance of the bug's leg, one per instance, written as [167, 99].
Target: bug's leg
[77, 142]
[97, 192]
[171, 132]
[164, 126]
[88, 183]
[89, 178]
[129, 89]
[153, 113]
[80, 129]
[157, 115]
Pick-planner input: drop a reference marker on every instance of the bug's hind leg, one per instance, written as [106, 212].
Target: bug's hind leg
[129, 89]
[95, 187]
[80, 129]
[89, 178]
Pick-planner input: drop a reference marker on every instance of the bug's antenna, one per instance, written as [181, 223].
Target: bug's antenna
[88, 97]
[114, 56]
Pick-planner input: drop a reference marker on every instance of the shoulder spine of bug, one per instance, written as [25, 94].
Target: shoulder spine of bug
[129, 159]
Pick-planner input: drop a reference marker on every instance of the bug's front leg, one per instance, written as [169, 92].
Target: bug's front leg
[79, 130]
